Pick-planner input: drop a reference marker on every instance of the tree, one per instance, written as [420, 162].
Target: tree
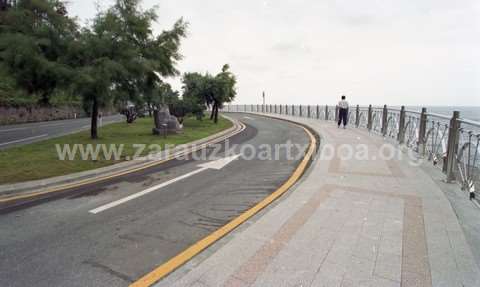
[207, 90]
[118, 55]
[194, 93]
[224, 91]
[34, 36]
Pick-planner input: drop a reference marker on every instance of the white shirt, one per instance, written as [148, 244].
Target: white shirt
[343, 104]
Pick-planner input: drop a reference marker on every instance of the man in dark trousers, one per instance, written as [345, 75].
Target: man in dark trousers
[342, 112]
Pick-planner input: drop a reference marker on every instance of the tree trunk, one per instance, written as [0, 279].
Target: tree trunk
[216, 114]
[93, 129]
[44, 100]
[213, 110]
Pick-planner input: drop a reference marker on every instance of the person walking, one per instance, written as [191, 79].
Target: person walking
[343, 112]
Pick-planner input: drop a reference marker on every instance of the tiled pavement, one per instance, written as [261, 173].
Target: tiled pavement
[350, 222]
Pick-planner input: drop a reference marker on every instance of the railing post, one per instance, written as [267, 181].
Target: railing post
[275, 110]
[280, 108]
[270, 108]
[401, 126]
[318, 112]
[293, 110]
[357, 116]
[326, 112]
[422, 130]
[384, 120]
[337, 110]
[370, 118]
[300, 110]
[452, 146]
[309, 111]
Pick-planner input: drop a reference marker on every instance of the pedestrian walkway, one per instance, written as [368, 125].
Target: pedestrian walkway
[349, 222]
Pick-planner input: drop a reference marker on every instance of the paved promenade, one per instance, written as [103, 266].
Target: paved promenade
[348, 222]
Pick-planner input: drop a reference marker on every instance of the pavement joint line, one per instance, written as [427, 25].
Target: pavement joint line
[24, 139]
[172, 264]
[241, 127]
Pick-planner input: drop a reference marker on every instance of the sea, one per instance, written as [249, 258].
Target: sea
[469, 113]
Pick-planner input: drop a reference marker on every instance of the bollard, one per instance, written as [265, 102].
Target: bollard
[422, 131]
[270, 109]
[357, 116]
[370, 118]
[281, 109]
[318, 112]
[384, 120]
[337, 110]
[245, 108]
[326, 112]
[401, 126]
[452, 146]
[300, 110]
[293, 110]
[275, 111]
[308, 111]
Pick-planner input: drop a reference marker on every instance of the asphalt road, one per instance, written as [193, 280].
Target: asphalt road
[59, 242]
[14, 135]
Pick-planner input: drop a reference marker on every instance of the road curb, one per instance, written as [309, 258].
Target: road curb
[186, 255]
[31, 189]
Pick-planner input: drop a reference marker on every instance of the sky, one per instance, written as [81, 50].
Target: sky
[394, 52]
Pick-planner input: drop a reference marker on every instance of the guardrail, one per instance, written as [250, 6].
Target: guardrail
[449, 142]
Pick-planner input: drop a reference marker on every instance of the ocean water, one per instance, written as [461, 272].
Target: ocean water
[469, 113]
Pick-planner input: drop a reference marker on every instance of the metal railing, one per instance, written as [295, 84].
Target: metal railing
[448, 142]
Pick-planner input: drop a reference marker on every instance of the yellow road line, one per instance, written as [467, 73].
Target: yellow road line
[103, 178]
[184, 256]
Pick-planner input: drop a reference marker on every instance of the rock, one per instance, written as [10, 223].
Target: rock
[164, 120]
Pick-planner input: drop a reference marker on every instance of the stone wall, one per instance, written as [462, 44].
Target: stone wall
[15, 115]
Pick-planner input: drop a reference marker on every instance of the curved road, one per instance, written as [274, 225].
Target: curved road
[60, 242]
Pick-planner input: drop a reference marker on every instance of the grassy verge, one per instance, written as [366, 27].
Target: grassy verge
[40, 160]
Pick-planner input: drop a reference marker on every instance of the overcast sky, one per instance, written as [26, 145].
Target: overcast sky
[411, 52]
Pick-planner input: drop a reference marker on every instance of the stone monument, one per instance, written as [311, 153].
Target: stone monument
[165, 123]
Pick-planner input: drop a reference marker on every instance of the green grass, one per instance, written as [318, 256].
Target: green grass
[40, 160]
